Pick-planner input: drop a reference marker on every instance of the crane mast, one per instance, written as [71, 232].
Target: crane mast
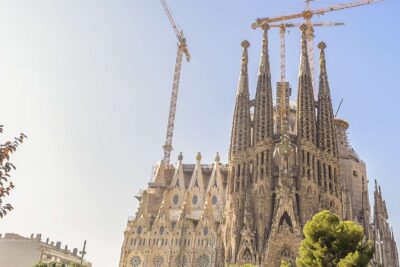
[182, 49]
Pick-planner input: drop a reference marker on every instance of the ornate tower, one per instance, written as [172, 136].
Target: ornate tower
[263, 149]
[307, 196]
[385, 245]
[327, 165]
[239, 171]
[326, 137]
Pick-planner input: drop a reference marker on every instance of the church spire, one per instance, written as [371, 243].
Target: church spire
[240, 138]
[263, 111]
[306, 128]
[326, 137]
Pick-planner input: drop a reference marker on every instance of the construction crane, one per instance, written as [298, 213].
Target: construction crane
[282, 32]
[307, 14]
[182, 49]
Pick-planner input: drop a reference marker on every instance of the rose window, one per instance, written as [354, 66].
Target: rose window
[181, 261]
[158, 261]
[136, 261]
[203, 261]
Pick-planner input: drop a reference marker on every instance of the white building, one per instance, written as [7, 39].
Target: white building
[19, 251]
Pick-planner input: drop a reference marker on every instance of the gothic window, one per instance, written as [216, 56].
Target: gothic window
[205, 230]
[261, 191]
[285, 253]
[247, 256]
[162, 229]
[194, 200]
[309, 192]
[181, 261]
[203, 261]
[175, 199]
[158, 261]
[214, 200]
[136, 261]
[285, 223]
[139, 230]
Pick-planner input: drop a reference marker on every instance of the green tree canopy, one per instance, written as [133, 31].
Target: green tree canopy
[331, 242]
[285, 264]
[242, 265]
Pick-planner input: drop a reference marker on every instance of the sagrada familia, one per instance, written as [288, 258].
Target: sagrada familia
[286, 162]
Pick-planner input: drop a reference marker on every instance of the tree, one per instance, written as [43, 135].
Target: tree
[5, 168]
[242, 265]
[285, 264]
[330, 242]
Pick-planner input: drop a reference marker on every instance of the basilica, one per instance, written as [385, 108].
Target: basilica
[287, 161]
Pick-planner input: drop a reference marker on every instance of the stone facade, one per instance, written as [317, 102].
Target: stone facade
[286, 163]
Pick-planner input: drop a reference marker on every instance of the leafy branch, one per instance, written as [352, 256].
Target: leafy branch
[6, 186]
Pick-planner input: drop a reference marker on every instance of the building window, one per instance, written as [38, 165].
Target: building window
[135, 261]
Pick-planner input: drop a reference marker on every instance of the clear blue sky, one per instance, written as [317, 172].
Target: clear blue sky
[89, 82]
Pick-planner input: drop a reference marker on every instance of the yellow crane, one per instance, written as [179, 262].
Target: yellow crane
[282, 33]
[307, 14]
[182, 49]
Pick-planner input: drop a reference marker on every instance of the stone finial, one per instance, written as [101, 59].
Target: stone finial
[217, 157]
[198, 157]
[180, 157]
[245, 44]
[322, 45]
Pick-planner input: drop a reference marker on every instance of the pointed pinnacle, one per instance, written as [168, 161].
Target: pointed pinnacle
[322, 59]
[243, 81]
[245, 57]
[304, 63]
[217, 157]
[264, 59]
[198, 157]
[323, 86]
